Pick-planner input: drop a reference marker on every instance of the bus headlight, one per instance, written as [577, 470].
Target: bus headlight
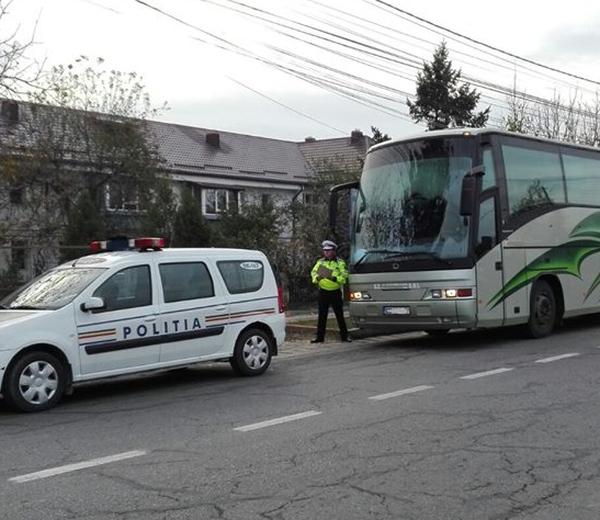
[359, 295]
[438, 294]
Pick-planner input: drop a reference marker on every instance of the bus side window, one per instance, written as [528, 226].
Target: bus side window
[486, 234]
[489, 177]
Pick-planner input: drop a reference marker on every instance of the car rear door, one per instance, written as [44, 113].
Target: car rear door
[194, 310]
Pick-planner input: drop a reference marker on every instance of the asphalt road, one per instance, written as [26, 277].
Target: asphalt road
[472, 426]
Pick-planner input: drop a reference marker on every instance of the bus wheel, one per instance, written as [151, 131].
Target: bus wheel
[542, 310]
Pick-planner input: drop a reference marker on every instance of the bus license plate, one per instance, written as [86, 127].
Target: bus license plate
[396, 310]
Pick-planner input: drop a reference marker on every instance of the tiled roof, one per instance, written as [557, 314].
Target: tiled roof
[186, 150]
[343, 153]
[206, 154]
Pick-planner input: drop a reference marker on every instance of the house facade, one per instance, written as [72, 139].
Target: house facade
[220, 168]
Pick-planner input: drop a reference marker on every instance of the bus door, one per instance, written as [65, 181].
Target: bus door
[489, 267]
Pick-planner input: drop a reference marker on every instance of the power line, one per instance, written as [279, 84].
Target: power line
[283, 105]
[345, 45]
[526, 60]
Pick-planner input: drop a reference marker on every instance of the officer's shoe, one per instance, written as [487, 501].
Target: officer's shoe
[346, 340]
[316, 340]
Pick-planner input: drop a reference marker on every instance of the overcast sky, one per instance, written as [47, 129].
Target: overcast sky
[319, 68]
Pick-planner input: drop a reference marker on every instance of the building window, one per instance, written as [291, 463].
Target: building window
[310, 199]
[119, 197]
[18, 254]
[15, 195]
[266, 200]
[220, 200]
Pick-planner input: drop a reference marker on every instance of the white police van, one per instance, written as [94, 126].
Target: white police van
[123, 312]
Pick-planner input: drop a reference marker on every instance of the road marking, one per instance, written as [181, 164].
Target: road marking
[279, 420]
[412, 390]
[488, 373]
[77, 466]
[556, 358]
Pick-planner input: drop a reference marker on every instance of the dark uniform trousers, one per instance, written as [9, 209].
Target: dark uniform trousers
[333, 299]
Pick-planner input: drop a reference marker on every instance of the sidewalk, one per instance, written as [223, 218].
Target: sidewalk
[298, 336]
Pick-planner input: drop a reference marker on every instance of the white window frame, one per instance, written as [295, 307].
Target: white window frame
[132, 205]
[222, 198]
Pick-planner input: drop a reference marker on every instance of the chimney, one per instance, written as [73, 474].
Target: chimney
[10, 111]
[310, 139]
[213, 139]
[356, 137]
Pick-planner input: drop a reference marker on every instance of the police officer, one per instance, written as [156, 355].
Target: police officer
[330, 274]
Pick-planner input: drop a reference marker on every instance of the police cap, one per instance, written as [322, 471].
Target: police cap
[328, 244]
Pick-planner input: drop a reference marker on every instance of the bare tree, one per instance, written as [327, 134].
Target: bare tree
[85, 130]
[573, 120]
[18, 73]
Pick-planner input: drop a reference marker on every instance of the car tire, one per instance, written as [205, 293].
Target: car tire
[34, 382]
[253, 352]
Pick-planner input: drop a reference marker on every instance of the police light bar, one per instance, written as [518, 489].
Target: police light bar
[149, 243]
[98, 245]
[125, 244]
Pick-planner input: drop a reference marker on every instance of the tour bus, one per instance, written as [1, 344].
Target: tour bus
[472, 228]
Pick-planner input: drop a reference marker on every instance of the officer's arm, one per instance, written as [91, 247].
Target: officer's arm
[314, 273]
[342, 276]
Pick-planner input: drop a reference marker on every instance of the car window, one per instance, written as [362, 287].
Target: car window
[242, 276]
[185, 281]
[128, 288]
[52, 290]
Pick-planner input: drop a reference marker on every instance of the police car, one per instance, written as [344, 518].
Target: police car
[146, 308]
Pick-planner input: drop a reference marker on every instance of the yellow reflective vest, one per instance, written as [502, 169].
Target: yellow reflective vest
[336, 277]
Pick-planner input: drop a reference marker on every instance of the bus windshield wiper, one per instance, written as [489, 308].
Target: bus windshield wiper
[425, 254]
[371, 252]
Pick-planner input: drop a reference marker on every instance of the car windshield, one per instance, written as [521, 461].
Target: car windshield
[52, 290]
[409, 201]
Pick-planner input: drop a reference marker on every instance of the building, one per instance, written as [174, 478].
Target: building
[220, 168]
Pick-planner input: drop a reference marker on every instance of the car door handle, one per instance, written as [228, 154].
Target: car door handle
[150, 318]
[220, 307]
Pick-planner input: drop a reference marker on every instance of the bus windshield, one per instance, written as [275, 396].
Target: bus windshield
[409, 201]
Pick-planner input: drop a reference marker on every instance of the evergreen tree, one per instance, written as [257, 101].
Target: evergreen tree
[440, 101]
[84, 224]
[257, 226]
[161, 211]
[379, 137]
[190, 228]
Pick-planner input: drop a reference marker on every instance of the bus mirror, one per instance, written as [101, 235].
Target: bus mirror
[335, 203]
[467, 195]
[470, 190]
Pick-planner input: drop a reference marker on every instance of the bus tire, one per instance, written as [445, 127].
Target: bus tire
[542, 310]
[34, 382]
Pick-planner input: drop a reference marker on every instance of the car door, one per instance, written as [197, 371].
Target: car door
[194, 311]
[125, 333]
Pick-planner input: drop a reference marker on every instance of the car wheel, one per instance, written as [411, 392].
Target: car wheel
[542, 310]
[35, 382]
[252, 354]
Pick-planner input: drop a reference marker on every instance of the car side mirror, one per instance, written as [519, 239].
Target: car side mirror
[92, 304]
